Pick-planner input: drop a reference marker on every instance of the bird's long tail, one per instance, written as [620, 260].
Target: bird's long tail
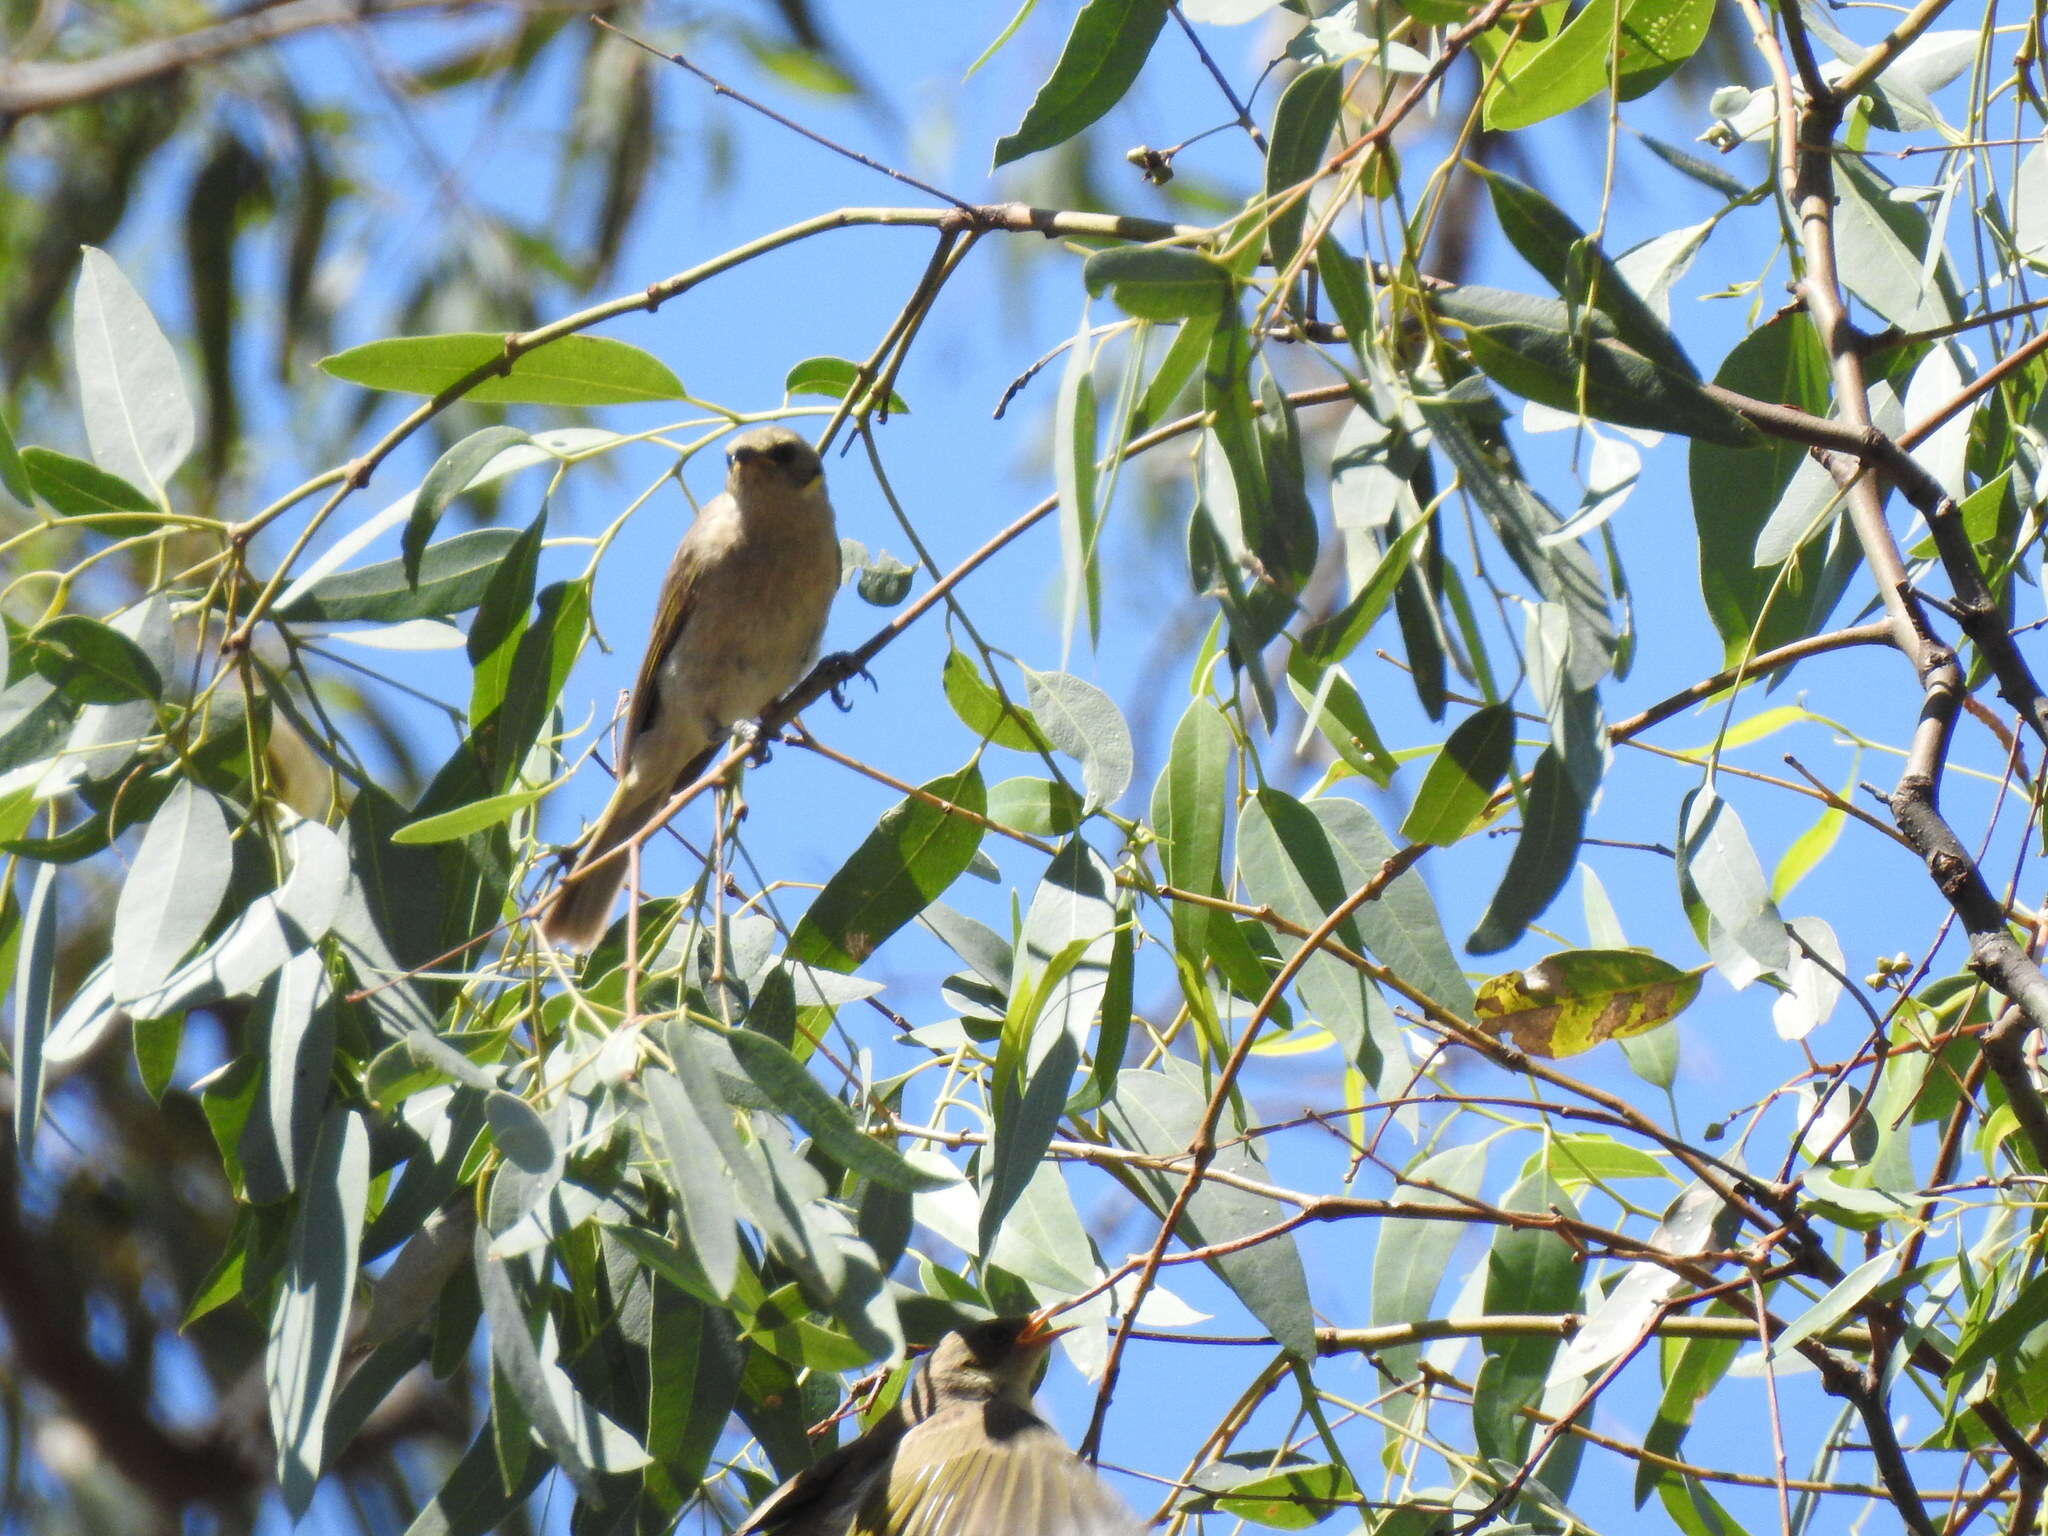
[582, 906]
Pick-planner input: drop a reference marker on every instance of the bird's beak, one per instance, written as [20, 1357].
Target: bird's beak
[1037, 1334]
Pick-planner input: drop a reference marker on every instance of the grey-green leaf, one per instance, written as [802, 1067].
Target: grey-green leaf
[35, 972]
[1158, 1113]
[174, 888]
[303, 1359]
[1083, 722]
[831, 1124]
[130, 391]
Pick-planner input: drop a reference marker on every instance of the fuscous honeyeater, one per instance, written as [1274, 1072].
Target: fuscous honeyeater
[962, 1454]
[740, 616]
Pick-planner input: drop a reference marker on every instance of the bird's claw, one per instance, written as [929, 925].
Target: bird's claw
[843, 667]
[750, 735]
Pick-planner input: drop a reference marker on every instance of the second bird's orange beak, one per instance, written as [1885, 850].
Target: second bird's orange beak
[1037, 1332]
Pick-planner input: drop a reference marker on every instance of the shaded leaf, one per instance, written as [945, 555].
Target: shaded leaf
[1103, 54]
[834, 377]
[303, 1359]
[453, 575]
[449, 478]
[1552, 826]
[1162, 282]
[1462, 777]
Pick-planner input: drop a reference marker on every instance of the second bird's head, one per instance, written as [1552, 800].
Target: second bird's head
[1001, 1358]
[772, 459]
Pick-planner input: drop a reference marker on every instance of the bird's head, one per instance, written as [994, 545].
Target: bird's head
[771, 458]
[998, 1359]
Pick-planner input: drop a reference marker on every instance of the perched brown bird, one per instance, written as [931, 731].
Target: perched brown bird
[741, 613]
[961, 1455]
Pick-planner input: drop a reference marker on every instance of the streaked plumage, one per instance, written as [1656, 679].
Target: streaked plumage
[741, 613]
[962, 1454]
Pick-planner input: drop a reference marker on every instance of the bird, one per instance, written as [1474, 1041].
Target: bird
[963, 1453]
[741, 614]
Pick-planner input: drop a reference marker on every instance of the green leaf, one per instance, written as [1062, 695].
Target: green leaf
[1734, 492]
[453, 575]
[1160, 282]
[130, 390]
[1302, 125]
[303, 1359]
[1462, 777]
[1718, 868]
[1336, 637]
[1189, 800]
[1103, 54]
[915, 851]
[697, 1175]
[280, 1137]
[1286, 862]
[1156, 1113]
[833, 377]
[574, 370]
[1183, 357]
[1571, 1001]
[449, 478]
[1073, 436]
[1400, 926]
[1542, 357]
[467, 820]
[795, 1093]
[692, 1395]
[1549, 241]
[985, 712]
[35, 978]
[74, 488]
[91, 662]
[1414, 1254]
[883, 580]
[1295, 1497]
[474, 1501]
[157, 1042]
[13, 473]
[1544, 79]
[1041, 807]
[1083, 722]
[174, 887]
[1552, 824]
[1528, 1270]
[1334, 709]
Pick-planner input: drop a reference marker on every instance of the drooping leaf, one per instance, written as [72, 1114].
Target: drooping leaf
[35, 976]
[573, 370]
[13, 473]
[1302, 124]
[1158, 1113]
[91, 662]
[1528, 1270]
[1718, 867]
[794, 1092]
[449, 478]
[1552, 826]
[1074, 437]
[698, 1177]
[1103, 54]
[174, 886]
[915, 851]
[1413, 1254]
[303, 1359]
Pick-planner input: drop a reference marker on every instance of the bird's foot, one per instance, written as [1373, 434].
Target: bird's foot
[748, 733]
[843, 667]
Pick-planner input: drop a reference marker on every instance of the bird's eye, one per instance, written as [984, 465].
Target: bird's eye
[780, 453]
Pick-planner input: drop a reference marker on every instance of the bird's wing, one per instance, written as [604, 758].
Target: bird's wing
[1023, 1483]
[821, 1499]
[678, 597]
